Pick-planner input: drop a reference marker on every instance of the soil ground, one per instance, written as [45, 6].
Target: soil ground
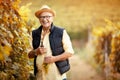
[80, 70]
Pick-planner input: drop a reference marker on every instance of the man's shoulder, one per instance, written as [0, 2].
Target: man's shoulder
[58, 28]
[36, 31]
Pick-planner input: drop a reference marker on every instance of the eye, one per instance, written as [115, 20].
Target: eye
[47, 17]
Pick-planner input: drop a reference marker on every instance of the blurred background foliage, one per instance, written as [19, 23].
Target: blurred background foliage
[79, 15]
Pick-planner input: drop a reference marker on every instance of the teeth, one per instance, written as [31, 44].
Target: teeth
[45, 22]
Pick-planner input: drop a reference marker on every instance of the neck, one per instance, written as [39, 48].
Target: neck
[46, 29]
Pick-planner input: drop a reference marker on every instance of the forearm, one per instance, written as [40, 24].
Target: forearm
[63, 56]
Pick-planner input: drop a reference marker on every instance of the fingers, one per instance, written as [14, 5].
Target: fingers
[41, 50]
[49, 59]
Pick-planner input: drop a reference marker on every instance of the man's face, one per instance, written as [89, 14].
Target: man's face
[46, 19]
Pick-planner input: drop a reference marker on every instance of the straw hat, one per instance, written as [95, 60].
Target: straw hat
[44, 8]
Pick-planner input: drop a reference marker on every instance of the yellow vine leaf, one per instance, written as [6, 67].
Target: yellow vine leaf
[25, 12]
[15, 4]
[1, 57]
[99, 31]
[7, 50]
[1, 54]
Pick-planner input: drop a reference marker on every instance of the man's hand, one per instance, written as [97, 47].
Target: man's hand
[40, 50]
[49, 59]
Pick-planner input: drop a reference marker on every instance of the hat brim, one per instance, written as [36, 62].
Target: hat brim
[37, 14]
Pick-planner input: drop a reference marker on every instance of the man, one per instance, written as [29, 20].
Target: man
[52, 42]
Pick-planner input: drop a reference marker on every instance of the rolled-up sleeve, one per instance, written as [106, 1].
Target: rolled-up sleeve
[67, 44]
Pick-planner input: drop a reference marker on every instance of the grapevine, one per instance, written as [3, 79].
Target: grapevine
[14, 41]
[107, 55]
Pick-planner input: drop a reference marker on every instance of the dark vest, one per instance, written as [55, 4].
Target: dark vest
[55, 39]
